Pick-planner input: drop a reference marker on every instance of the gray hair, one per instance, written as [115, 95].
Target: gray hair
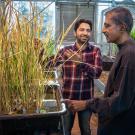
[122, 15]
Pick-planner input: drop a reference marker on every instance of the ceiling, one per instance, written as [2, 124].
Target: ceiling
[129, 2]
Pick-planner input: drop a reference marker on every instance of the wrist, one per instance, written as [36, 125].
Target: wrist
[79, 61]
[80, 58]
[87, 104]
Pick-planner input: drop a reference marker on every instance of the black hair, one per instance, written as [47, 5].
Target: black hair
[122, 16]
[77, 24]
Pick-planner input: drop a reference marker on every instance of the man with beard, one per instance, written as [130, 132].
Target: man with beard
[116, 110]
[81, 65]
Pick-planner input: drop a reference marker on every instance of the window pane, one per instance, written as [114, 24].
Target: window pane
[42, 12]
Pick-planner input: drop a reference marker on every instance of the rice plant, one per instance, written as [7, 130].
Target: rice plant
[21, 79]
[22, 74]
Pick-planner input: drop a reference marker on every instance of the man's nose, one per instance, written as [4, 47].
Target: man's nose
[85, 32]
[103, 30]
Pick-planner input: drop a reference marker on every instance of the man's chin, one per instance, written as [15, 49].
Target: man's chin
[108, 40]
[84, 41]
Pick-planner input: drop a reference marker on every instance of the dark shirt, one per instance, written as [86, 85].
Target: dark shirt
[78, 80]
[116, 110]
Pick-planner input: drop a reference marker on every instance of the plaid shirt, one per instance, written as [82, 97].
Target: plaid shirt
[78, 80]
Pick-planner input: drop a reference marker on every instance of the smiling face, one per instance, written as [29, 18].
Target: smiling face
[83, 33]
[111, 30]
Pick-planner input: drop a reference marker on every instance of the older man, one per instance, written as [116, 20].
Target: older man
[116, 110]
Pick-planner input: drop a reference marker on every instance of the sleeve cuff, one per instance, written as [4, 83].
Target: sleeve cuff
[89, 103]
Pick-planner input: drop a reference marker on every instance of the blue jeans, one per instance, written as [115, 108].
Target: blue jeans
[84, 122]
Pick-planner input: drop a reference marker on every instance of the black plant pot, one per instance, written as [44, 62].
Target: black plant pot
[28, 126]
[107, 62]
[46, 120]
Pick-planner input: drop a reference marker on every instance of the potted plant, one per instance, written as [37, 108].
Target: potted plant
[22, 78]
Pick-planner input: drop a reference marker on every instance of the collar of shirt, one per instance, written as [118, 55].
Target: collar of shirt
[86, 49]
[127, 42]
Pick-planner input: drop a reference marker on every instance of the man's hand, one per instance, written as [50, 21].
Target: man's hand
[76, 105]
[73, 55]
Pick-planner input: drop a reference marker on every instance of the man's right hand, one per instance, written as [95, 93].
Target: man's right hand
[76, 105]
[73, 55]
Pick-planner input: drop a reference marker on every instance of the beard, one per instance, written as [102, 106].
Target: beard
[82, 40]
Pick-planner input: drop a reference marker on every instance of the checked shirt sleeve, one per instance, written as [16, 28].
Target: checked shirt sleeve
[92, 70]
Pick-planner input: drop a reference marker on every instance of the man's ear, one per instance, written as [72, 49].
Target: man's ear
[123, 27]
